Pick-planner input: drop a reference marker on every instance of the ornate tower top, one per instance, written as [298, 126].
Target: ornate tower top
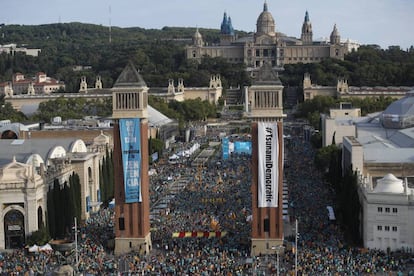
[198, 39]
[306, 36]
[226, 27]
[129, 95]
[83, 85]
[223, 23]
[265, 6]
[306, 16]
[265, 22]
[335, 37]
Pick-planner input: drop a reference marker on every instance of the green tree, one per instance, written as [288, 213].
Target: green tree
[324, 156]
[7, 112]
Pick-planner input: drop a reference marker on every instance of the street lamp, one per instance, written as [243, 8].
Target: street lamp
[76, 243]
[296, 247]
[277, 248]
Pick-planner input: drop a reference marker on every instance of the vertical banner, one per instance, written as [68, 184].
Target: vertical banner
[88, 204]
[225, 147]
[131, 158]
[268, 164]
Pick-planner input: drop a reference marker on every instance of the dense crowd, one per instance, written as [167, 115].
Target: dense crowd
[322, 247]
[217, 198]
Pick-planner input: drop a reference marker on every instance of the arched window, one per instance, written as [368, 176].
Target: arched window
[14, 229]
[9, 134]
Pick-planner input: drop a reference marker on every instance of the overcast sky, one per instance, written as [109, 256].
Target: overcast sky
[382, 22]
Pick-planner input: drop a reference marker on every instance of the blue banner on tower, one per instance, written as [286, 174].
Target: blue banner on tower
[131, 158]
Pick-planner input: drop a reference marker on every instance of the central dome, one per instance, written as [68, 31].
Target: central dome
[265, 22]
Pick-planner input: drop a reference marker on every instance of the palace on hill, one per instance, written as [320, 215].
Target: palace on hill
[267, 45]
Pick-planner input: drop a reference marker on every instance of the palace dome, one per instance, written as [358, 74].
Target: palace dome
[389, 184]
[265, 22]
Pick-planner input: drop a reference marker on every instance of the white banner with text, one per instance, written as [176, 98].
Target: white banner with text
[268, 164]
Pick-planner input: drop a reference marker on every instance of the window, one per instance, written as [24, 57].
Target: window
[387, 210]
[379, 227]
[394, 228]
[394, 210]
[379, 209]
[387, 228]
[257, 53]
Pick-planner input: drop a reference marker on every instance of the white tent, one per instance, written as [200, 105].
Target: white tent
[46, 247]
[34, 248]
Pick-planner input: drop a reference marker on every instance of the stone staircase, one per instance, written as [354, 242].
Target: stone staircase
[234, 96]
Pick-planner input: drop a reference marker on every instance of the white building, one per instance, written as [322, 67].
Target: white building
[388, 214]
[381, 150]
[339, 123]
[12, 49]
[28, 169]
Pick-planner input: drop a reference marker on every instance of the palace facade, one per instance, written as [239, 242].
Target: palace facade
[269, 45]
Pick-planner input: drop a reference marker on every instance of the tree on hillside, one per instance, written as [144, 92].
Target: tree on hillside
[7, 112]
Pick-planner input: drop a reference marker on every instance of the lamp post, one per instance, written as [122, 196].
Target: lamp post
[277, 249]
[76, 243]
[296, 247]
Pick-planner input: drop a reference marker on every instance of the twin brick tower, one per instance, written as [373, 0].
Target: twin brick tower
[263, 106]
[132, 201]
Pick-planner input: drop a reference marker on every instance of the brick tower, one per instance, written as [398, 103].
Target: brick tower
[132, 202]
[264, 107]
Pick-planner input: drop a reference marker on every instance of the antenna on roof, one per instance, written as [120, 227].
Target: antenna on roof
[110, 29]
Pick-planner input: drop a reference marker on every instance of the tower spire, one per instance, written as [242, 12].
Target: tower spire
[306, 36]
[306, 16]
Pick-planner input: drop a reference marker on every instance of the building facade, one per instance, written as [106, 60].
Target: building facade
[29, 169]
[380, 152]
[338, 124]
[387, 213]
[267, 44]
[211, 93]
[41, 84]
[343, 90]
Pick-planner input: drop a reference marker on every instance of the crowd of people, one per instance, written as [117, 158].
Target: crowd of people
[322, 246]
[217, 198]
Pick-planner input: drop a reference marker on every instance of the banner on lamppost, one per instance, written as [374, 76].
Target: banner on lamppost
[131, 158]
[268, 164]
